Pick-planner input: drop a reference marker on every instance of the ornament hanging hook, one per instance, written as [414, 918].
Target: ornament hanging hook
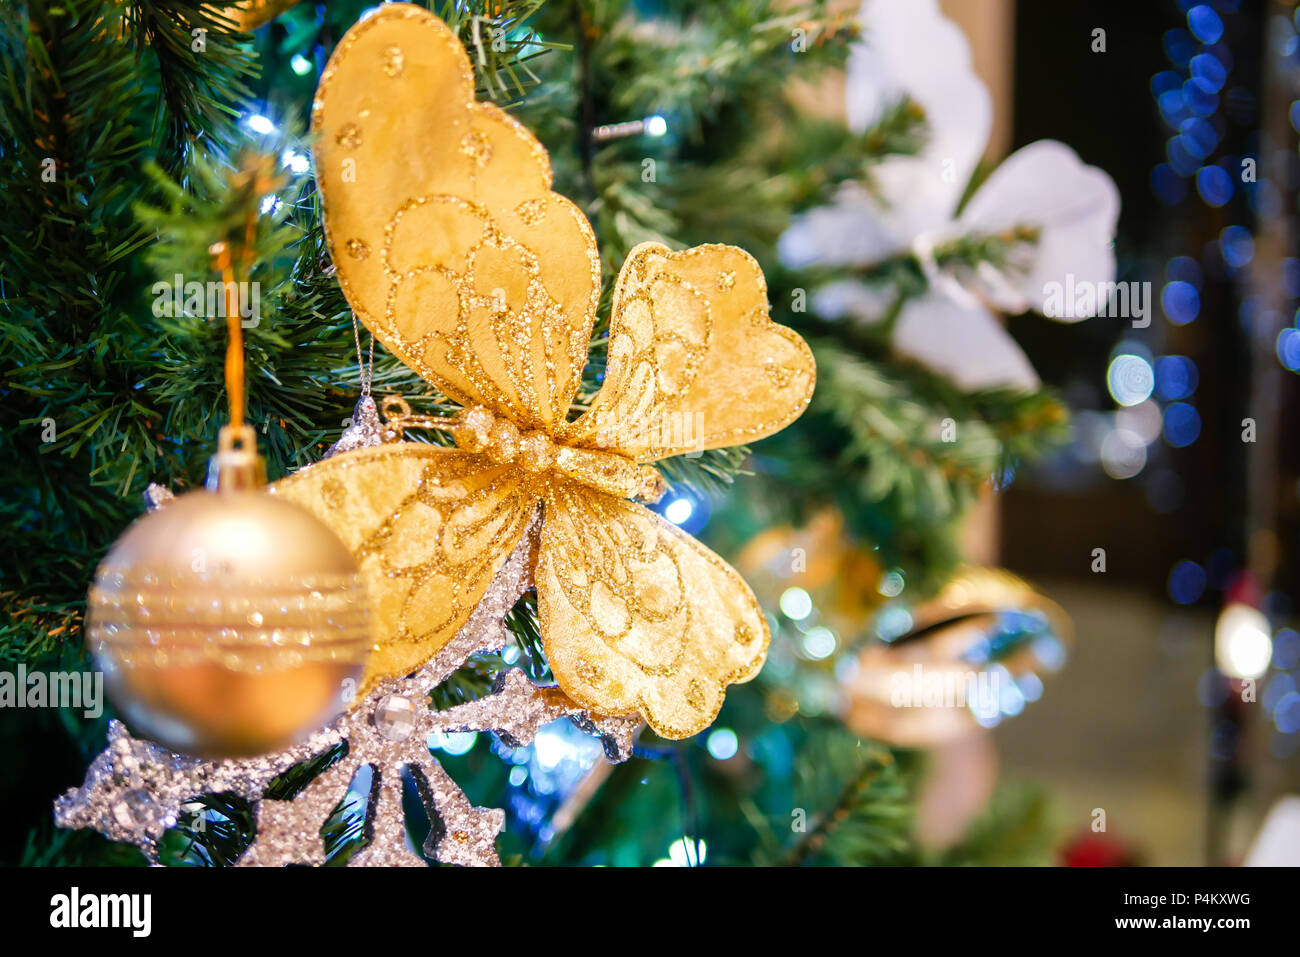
[366, 368]
[398, 417]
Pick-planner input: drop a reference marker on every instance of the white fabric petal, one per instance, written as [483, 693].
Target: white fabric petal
[851, 231]
[853, 299]
[909, 48]
[1074, 206]
[966, 344]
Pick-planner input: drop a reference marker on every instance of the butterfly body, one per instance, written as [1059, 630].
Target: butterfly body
[476, 429]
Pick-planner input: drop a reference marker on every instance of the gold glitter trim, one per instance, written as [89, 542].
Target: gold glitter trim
[145, 617]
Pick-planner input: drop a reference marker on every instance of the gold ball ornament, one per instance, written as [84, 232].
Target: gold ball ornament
[962, 661]
[229, 622]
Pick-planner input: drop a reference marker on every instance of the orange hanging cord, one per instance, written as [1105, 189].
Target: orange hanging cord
[235, 343]
[225, 264]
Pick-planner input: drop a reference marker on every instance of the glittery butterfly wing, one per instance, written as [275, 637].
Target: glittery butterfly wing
[429, 526]
[694, 361]
[447, 239]
[638, 616]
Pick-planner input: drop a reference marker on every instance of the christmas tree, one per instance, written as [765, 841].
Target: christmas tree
[139, 134]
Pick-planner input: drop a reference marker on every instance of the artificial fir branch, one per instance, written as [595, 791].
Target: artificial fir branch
[852, 799]
[201, 65]
[920, 439]
[832, 820]
[500, 41]
[71, 346]
[1014, 830]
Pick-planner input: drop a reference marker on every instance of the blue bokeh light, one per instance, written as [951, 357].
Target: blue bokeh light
[1186, 582]
[1165, 81]
[1291, 277]
[1214, 184]
[1176, 377]
[1181, 302]
[1180, 46]
[1288, 349]
[1184, 269]
[1286, 649]
[1208, 72]
[686, 510]
[1279, 686]
[1197, 100]
[1237, 246]
[1286, 715]
[1205, 24]
[1198, 136]
[1264, 198]
[1220, 567]
[1169, 186]
[1181, 157]
[1173, 106]
[1182, 425]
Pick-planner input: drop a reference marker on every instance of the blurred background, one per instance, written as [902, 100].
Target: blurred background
[1157, 473]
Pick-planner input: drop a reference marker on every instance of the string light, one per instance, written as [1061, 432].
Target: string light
[655, 126]
[679, 511]
[259, 124]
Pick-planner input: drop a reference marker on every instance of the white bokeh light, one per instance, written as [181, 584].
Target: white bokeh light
[679, 510]
[1130, 379]
[1123, 454]
[1243, 645]
[796, 604]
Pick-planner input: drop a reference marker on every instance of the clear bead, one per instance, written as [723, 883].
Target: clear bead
[395, 717]
[133, 809]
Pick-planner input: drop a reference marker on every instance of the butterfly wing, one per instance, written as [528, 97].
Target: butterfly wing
[694, 360]
[637, 616]
[447, 239]
[429, 527]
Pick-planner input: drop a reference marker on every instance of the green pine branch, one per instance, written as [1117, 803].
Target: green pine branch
[851, 806]
[1015, 830]
[201, 67]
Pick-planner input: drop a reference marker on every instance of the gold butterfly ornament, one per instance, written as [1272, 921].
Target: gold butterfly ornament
[453, 250]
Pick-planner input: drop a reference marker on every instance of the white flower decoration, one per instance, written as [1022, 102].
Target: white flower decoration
[910, 49]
